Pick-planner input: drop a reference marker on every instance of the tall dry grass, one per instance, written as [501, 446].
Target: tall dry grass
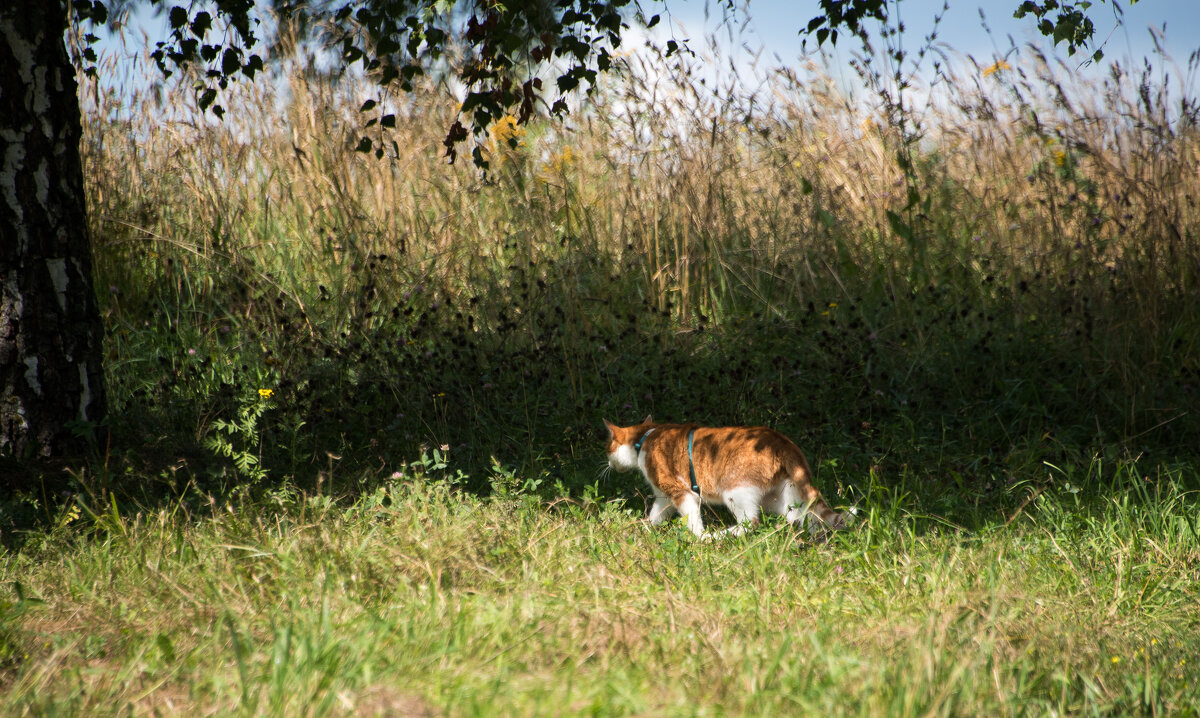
[1038, 262]
[750, 193]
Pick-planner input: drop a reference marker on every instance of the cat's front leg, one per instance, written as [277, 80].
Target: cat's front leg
[661, 510]
[688, 505]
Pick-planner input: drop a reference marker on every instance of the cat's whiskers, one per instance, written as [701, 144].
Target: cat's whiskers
[604, 471]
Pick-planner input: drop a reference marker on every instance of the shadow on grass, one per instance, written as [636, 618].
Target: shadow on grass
[944, 398]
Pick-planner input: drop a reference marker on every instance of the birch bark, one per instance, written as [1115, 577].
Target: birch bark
[50, 330]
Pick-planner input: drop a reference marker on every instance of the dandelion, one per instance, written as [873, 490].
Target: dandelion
[1116, 660]
[266, 393]
[995, 67]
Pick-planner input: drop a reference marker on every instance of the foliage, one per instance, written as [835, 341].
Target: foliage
[849, 14]
[497, 51]
[1070, 23]
[1061, 20]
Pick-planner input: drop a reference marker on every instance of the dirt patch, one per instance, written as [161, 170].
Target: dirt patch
[389, 701]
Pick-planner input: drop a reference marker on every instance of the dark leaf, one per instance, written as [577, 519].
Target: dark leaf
[201, 23]
[230, 61]
[207, 97]
[178, 17]
[254, 65]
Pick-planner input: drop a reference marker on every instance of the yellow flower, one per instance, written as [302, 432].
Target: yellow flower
[995, 67]
[1060, 158]
[266, 393]
[558, 164]
[506, 131]
[1116, 659]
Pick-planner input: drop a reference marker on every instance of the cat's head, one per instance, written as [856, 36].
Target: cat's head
[621, 454]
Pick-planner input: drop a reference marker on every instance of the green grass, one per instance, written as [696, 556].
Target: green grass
[418, 599]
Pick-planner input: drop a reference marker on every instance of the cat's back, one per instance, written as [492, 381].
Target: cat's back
[746, 442]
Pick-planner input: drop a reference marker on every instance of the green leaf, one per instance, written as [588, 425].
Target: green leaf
[899, 226]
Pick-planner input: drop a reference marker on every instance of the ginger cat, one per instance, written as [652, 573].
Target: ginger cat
[747, 469]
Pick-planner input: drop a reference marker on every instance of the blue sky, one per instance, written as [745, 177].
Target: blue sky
[774, 25]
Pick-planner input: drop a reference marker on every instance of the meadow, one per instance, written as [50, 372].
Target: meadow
[353, 464]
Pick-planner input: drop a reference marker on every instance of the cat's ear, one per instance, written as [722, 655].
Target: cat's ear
[648, 420]
[610, 426]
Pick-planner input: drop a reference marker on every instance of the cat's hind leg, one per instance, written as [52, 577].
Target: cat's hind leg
[792, 506]
[745, 503]
[804, 508]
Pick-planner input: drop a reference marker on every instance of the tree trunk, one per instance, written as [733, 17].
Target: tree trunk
[51, 378]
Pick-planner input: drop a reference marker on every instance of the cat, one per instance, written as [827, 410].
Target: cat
[746, 469]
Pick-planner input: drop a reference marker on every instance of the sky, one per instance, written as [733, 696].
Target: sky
[774, 24]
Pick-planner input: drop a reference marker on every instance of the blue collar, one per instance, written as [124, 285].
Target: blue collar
[691, 464]
[637, 445]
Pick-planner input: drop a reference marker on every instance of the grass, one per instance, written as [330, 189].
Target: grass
[417, 599]
[352, 459]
